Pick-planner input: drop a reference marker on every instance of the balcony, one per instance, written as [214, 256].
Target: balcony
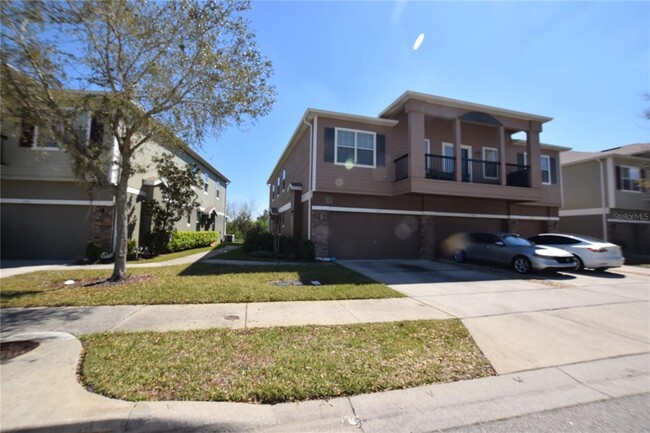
[479, 178]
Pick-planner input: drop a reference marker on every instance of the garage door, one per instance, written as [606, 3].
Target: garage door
[372, 236]
[44, 231]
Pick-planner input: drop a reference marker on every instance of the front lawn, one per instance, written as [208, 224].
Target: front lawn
[171, 256]
[197, 283]
[280, 364]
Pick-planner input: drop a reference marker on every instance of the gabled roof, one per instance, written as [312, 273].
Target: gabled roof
[640, 151]
[398, 104]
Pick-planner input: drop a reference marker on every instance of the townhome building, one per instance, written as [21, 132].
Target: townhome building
[400, 184]
[47, 213]
[605, 197]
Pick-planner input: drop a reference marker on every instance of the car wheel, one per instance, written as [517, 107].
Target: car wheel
[581, 265]
[460, 256]
[521, 265]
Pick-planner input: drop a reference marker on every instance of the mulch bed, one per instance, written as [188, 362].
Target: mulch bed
[12, 349]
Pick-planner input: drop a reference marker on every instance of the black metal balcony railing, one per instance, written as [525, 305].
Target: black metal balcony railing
[517, 175]
[439, 167]
[401, 167]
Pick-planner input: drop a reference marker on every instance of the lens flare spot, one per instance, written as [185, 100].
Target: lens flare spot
[403, 231]
[349, 164]
[418, 41]
[339, 182]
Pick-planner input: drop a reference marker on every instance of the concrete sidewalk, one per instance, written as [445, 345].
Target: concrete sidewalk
[85, 320]
[41, 393]
[11, 268]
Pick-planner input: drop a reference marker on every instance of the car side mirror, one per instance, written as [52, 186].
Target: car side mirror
[499, 244]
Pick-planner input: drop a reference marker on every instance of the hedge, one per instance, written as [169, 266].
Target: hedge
[181, 241]
[292, 248]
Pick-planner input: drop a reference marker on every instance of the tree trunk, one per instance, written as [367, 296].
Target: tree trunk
[119, 269]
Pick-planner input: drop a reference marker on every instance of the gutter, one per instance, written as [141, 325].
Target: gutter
[603, 210]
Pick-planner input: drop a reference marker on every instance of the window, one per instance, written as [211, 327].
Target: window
[629, 178]
[32, 136]
[491, 163]
[545, 166]
[206, 183]
[198, 220]
[272, 191]
[355, 147]
[189, 218]
[217, 188]
[284, 179]
[448, 151]
[427, 146]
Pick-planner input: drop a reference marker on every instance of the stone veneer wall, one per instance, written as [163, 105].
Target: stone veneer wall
[102, 226]
[320, 232]
[427, 237]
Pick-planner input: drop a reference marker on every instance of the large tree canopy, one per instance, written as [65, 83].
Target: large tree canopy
[177, 71]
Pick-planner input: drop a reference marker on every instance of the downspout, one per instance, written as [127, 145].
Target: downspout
[311, 158]
[603, 208]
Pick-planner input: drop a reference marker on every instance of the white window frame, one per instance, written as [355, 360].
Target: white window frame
[273, 191]
[634, 181]
[485, 176]
[468, 148]
[284, 179]
[427, 146]
[542, 170]
[34, 144]
[189, 218]
[355, 131]
[218, 184]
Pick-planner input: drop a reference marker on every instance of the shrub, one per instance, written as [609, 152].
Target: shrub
[258, 240]
[181, 241]
[131, 249]
[93, 251]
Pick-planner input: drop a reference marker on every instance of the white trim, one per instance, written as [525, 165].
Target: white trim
[135, 191]
[427, 146]
[611, 183]
[603, 216]
[612, 220]
[314, 152]
[355, 131]
[486, 160]
[583, 212]
[56, 202]
[306, 196]
[629, 178]
[466, 147]
[430, 213]
[284, 207]
[309, 208]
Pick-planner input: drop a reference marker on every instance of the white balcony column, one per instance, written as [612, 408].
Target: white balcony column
[457, 153]
[416, 144]
[502, 155]
[534, 153]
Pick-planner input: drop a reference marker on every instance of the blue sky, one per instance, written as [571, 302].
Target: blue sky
[586, 64]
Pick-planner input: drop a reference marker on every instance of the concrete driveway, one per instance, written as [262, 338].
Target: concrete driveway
[541, 320]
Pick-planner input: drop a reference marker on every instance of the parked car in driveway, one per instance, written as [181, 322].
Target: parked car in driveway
[513, 250]
[589, 252]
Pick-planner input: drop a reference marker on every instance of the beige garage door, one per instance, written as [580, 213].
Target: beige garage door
[44, 231]
[372, 236]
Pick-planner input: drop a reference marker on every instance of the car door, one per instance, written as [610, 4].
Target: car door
[476, 249]
[496, 251]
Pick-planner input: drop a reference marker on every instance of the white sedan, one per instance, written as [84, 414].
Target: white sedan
[589, 252]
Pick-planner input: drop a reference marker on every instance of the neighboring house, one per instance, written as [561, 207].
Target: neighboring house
[400, 184]
[604, 196]
[46, 213]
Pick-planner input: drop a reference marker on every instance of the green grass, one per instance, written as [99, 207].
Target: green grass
[280, 364]
[171, 256]
[190, 284]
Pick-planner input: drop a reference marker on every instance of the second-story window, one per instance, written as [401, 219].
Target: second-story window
[545, 164]
[218, 188]
[206, 182]
[355, 147]
[272, 191]
[284, 179]
[629, 177]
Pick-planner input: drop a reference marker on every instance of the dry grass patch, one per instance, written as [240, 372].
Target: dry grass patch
[280, 364]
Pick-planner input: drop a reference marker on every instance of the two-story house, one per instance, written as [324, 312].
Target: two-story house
[47, 213]
[604, 196]
[400, 184]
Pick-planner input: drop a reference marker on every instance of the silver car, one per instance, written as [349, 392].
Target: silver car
[513, 250]
[589, 252]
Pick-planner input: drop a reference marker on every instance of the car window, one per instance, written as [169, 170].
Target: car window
[479, 238]
[516, 241]
[544, 240]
